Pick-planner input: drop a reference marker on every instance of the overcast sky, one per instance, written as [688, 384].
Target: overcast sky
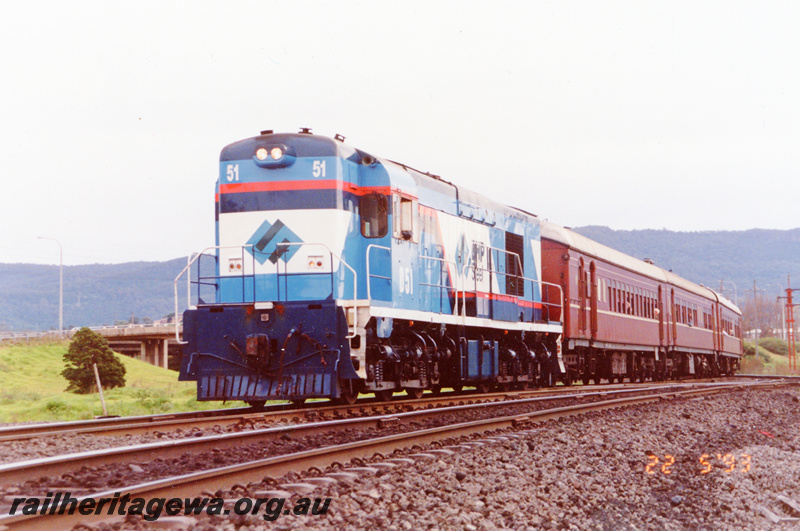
[677, 115]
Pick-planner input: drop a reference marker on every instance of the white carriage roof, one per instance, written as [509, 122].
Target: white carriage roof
[573, 240]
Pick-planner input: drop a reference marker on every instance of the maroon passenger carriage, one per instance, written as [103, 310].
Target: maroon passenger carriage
[627, 318]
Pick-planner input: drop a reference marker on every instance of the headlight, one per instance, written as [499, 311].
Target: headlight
[274, 156]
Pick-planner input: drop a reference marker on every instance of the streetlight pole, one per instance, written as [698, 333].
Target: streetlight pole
[60, 284]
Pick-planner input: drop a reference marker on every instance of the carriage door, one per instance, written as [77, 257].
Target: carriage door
[660, 309]
[673, 312]
[593, 298]
[582, 288]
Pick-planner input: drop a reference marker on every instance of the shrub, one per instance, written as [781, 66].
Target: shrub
[749, 349]
[774, 344]
[88, 347]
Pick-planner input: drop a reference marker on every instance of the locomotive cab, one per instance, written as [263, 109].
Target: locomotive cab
[276, 297]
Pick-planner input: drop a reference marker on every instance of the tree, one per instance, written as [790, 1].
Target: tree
[85, 348]
[763, 312]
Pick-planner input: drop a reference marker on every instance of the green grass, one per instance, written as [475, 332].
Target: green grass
[764, 361]
[32, 388]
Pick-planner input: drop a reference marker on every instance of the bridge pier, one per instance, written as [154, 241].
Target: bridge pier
[149, 343]
[155, 352]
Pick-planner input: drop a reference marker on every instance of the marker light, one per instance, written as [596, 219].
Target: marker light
[276, 153]
[261, 154]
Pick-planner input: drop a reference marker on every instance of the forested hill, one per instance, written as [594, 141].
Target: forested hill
[94, 294]
[103, 294]
[766, 256]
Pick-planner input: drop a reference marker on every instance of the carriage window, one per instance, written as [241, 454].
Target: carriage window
[374, 216]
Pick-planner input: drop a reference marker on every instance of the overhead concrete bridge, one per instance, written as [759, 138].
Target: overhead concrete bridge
[153, 343]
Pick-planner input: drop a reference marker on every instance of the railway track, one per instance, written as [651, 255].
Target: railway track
[192, 484]
[53, 466]
[170, 422]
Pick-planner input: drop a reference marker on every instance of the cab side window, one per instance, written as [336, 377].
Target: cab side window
[374, 216]
[405, 211]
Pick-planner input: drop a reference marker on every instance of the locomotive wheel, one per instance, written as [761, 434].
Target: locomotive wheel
[458, 388]
[385, 395]
[483, 388]
[414, 392]
[256, 404]
[436, 390]
[504, 386]
[298, 401]
[347, 398]
[348, 394]
[547, 379]
[567, 378]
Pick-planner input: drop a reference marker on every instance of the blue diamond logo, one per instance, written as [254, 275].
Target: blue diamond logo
[268, 243]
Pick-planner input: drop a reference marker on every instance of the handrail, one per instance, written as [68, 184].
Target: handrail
[519, 260]
[455, 287]
[190, 261]
[532, 280]
[355, 279]
[194, 257]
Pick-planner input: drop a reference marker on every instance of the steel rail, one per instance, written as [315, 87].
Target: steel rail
[57, 465]
[279, 412]
[223, 417]
[193, 484]
[16, 432]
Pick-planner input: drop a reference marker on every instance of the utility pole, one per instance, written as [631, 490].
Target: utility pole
[790, 324]
[755, 314]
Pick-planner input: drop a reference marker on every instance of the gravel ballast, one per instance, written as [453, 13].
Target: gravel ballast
[585, 473]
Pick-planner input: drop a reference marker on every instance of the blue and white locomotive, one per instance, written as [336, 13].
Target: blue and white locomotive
[337, 273]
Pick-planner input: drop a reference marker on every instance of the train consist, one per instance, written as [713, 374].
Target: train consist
[337, 273]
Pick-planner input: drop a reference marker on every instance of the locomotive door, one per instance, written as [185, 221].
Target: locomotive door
[406, 236]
